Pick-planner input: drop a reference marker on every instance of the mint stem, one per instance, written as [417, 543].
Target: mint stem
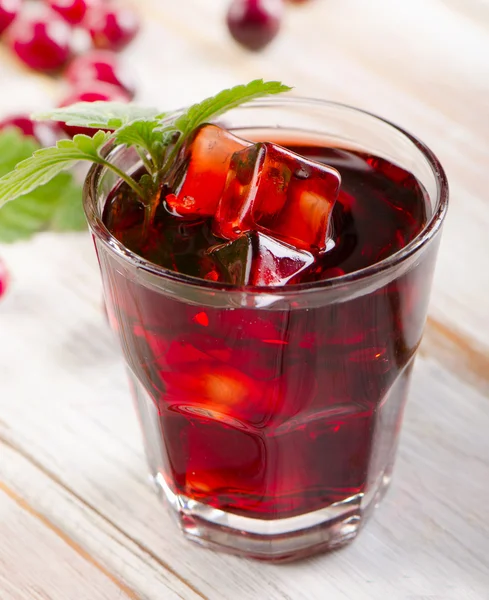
[146, 162]
[127, 178]
[173, 154]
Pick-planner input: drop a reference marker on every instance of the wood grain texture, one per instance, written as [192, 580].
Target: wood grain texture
[77, 516]
[46, 561]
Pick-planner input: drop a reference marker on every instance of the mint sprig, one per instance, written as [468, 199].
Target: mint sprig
[156, 136]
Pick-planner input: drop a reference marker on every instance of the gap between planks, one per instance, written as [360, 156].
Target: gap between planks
[24, 505]
[90, 508]
[457, 352]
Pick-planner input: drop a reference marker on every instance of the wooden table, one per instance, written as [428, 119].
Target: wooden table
[78, 519]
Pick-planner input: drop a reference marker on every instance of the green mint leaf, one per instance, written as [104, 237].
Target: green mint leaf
[226, 100]
[100, 115]
[68, 214]
[138, 133]
[46, 163]
[14, 147]
[57, 205]
[147, 136]
[84, 146]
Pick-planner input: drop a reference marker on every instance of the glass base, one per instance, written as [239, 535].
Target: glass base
[279, 540]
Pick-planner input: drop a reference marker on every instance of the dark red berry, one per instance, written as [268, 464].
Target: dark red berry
[254, 23]
[44, 132]
[4, 278]
[42, 43]
[9, 9]
[92, 91]
[72, 11]
[22, 122]
[99, 65]
[111, 25]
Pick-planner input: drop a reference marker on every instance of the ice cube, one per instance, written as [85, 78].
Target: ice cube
[199, 180]
[257, 259]
[278, 192]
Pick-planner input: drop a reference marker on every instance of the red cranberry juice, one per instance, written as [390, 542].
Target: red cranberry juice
[271, 413]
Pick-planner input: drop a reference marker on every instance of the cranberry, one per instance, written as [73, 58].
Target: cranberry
[9, 9]
[111, 27]
[254, 23]
[4, 278]
[45, 133]
[22, 122]
[99, 65]
[92, 91]
[42, 43]
[72, 11]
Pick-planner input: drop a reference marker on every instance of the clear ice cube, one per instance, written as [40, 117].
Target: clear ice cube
[258, 259]
[199, 179]
[277, 192]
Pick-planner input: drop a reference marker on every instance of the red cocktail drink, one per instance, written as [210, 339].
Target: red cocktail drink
[270, 369]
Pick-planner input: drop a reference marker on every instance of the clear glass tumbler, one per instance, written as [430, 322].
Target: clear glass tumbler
[271, 417]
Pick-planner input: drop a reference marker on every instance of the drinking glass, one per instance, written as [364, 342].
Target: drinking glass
[271, 416]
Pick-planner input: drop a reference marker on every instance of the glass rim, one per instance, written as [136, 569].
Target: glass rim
[426, 234]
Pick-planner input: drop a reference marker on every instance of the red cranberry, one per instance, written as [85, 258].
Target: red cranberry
[44, 132]
[111, 27]
[72, 11]
[22, 122]
[9, 9]
[99, 65]
[92, 92]
[4, 278]
[254, 23]
[42, 43]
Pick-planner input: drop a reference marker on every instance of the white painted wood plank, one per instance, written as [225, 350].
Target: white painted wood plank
[36, 564]
[88, 530]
